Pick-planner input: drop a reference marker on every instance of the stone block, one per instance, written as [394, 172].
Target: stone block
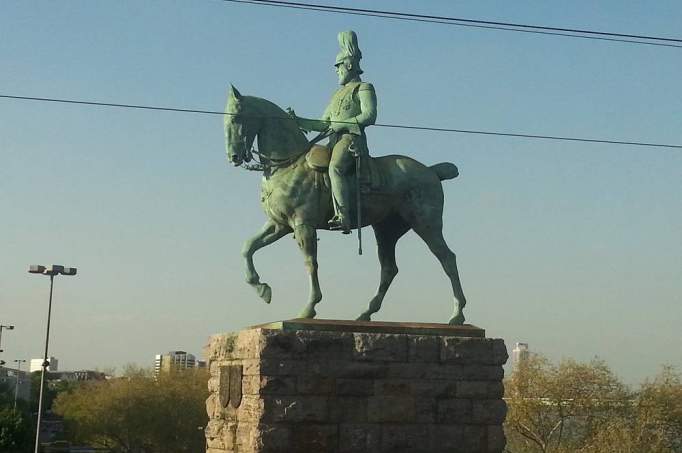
[314, 438]
[426, 410]
[405, 438]
[380, 347]
[338, 345]
[280, 367]
[489, 411]
[446, 438]
[382, 409]
[473, 389]
[474, 439]
[348, 409]
[293, 409]
[441, 388]
[353, 369]
[496, 440]
[500, 354]
[465, 351]
[277, 385]
[273, 438]
[278, 345]
[359, 438]
[355, 387]
[313, 384]
[423, 348]
[454, 411]
[213, 408]
[247, 437]
[250, 367]
[480, 389]
[317, 391]
[399, 387]
[250, 410]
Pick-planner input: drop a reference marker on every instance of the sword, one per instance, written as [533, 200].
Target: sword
[358, 198]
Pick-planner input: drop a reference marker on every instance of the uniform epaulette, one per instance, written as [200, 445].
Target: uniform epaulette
[366, 86]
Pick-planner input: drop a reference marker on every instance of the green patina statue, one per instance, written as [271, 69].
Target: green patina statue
[307, 187]
[352, 108]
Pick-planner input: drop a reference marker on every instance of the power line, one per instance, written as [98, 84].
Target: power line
[393, 126]
[460, 22]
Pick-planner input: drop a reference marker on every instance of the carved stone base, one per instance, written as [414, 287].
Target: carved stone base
[318, 386]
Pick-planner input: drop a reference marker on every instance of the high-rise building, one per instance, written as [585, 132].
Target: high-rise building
[519, 354]
[176, 360]
[37, 365]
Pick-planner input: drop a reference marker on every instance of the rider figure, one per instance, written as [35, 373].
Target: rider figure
[352, 108]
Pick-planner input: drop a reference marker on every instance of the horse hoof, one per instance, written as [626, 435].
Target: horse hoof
[308, 313]
[265, 292]
[457, 320]
[364, 317]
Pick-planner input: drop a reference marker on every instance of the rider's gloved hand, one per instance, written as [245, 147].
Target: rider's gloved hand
[292, 114]
[338, 127]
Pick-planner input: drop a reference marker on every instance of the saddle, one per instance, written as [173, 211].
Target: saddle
[371, 177]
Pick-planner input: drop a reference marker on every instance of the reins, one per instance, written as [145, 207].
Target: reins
[264, 163]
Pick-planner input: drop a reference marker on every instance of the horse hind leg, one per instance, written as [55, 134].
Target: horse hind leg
[433, 237]
[306, 236]
[387, 234]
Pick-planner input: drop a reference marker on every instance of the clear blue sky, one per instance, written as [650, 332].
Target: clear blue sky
[575, 248]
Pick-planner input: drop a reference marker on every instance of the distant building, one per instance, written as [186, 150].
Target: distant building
[13, 378]
[176, 360]
[77, 376]
[37, 365]
[520, 353]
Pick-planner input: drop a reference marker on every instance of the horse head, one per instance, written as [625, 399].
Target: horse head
[248, 117]
[241, 128]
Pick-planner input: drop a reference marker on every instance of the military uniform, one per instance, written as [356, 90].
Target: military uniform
[353, 103]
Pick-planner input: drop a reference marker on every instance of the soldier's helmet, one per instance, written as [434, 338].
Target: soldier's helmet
[350, 51]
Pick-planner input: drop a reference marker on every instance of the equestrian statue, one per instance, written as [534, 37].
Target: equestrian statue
[307, 186]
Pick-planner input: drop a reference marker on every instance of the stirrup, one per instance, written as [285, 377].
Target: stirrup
[337, 224]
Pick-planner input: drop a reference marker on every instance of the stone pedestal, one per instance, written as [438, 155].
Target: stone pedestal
[319, 386]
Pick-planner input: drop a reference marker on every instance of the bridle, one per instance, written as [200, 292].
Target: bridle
[267, 164]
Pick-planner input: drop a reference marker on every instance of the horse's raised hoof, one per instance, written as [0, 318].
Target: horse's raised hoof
[364, 317]
[457, 320]
[308, 313]
[265, 292]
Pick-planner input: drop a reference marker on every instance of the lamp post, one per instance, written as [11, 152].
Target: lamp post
[16, 382]
[51, 271]
[2, 326]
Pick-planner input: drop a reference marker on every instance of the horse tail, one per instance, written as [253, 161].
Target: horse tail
[445, 170]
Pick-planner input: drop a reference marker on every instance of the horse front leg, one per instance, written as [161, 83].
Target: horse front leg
[270, 233]
[306, 236]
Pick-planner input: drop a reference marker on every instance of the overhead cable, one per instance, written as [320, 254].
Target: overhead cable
[461, 22]
[393, 126]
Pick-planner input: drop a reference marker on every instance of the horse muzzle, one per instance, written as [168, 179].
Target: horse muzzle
[235, 160]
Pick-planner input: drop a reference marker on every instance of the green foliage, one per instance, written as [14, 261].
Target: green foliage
[137, 413]
[16, 432]
[583, 408]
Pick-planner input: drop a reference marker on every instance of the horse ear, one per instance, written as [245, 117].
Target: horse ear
[234, 94]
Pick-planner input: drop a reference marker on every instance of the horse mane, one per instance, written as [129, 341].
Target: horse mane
[272, 113]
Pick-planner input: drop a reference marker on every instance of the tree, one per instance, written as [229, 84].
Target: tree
[139, 414]
[15, 424]
[653, 422]
[558, 408]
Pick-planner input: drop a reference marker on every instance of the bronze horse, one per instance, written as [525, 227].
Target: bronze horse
[295, 200]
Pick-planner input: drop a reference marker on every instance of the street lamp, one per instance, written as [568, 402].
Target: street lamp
[2, 326]
[51, 271]
[16, 381]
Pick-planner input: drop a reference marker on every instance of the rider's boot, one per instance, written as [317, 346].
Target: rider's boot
[340, 221]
